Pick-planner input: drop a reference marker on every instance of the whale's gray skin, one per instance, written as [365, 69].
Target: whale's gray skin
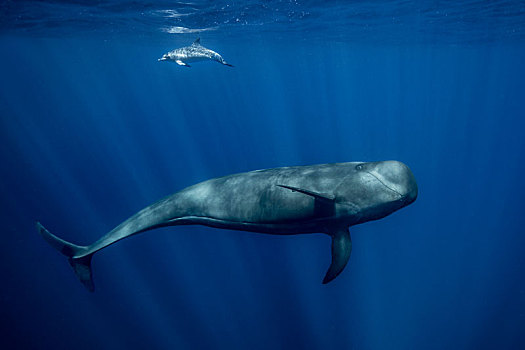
[193, 53]
[325, 198]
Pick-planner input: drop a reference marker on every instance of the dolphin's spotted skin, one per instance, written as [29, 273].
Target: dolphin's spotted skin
[193, 53]
[325, 198]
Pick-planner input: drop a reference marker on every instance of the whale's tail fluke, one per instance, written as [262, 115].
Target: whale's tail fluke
[77, 257]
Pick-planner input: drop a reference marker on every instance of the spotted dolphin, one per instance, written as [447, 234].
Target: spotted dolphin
[193, 53]
[326, 198]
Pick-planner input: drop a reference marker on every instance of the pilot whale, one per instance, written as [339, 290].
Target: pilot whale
[193, 53]
[326, 198]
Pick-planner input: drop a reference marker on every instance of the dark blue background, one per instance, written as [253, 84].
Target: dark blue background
[95, 129]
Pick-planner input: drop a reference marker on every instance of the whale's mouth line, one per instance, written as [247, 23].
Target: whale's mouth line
[390, 188]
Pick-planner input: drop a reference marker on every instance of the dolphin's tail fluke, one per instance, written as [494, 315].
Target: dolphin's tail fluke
[77, 257]
[221, 60]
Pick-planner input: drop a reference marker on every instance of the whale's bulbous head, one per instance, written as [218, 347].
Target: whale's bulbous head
[377, 189]
[398, 177]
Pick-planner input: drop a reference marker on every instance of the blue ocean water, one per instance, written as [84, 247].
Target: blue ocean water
[94, 128]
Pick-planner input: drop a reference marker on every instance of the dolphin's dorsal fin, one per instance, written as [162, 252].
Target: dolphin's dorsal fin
[197, 41]
[341, 249]
[328, 198]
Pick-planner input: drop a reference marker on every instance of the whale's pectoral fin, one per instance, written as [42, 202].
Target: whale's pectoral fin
[180, 63]
[328, 198]
[341, 249]
[324, 203]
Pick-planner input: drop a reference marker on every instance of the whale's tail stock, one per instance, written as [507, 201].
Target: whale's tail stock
[78, 256]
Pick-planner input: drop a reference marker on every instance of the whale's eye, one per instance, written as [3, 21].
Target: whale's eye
[359, 167]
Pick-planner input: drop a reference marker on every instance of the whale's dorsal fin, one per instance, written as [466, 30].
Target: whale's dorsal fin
[328, 198]
[197, 41]
[341, 241]
[341, 249]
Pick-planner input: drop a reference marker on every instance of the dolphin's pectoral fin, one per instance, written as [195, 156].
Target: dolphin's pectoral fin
[180, 63]
[341, 249]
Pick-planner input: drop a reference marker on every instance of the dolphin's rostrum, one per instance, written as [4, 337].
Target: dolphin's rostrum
[327, 198]
[193, 53]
